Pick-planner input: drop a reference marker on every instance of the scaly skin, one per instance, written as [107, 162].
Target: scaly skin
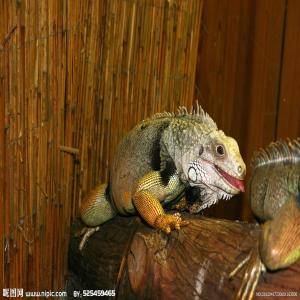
[158, 161]
[274, 190]
[274, 194]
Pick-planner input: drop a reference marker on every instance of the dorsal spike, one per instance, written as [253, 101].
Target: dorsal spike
[199, 109]
[277, 152]
[197, 114]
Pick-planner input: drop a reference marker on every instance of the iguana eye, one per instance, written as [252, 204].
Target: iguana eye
[220, 150]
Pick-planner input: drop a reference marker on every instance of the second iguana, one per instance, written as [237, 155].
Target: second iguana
[275, 199]
[158, 162]
[274, 190]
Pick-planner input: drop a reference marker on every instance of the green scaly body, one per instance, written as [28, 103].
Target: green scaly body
[158, 161]
[274, 191]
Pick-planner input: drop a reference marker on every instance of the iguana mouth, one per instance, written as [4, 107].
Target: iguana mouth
[235, 182]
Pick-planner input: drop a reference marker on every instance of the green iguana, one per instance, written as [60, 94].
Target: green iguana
[274, 190]
[158, 161]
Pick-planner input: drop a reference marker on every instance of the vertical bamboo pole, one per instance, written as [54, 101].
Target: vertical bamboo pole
[77, 75]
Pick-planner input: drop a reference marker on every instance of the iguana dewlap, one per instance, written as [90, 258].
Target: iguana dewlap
[275, 199]
[158, 161]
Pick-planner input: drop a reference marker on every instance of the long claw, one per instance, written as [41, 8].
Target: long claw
[239, 266]
[252, 272]
[87, 233]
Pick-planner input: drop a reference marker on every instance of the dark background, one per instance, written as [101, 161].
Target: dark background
[247, 76]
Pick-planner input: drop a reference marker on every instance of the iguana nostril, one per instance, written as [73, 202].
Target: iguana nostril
[240, 169]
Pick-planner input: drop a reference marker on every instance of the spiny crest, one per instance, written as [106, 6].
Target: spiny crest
[198, 115]
[277, 152]
[162, 115]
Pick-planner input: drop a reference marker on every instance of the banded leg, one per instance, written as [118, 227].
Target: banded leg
[95, 210]
[147, 200]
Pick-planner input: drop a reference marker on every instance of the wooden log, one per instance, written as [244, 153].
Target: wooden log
[139, 262]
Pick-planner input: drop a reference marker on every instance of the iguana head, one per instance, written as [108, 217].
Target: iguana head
[215, 165]
[206, 158]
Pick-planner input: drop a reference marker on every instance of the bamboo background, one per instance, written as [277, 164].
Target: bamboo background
[75, 76]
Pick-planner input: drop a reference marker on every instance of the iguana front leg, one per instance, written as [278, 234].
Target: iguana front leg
[151, 190]
[280, 238]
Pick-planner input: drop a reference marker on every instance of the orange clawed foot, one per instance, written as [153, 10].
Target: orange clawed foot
[167, 223]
